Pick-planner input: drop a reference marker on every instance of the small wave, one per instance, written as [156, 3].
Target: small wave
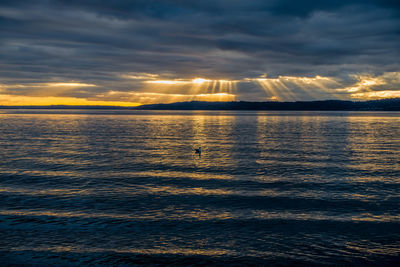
[214, 214]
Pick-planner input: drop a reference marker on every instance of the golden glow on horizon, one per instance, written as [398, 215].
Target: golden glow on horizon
[200, 89]
[200, 80]
[364, 83]
[179, 81]
[152, 97]
[13, 100]
[367, 87]
[376, 95]
[152, 88]
[284, 88]
[71, 84]
[168, 82]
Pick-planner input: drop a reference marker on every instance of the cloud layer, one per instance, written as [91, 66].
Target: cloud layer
[266, 49]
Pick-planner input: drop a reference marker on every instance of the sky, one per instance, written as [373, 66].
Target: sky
[86, 52]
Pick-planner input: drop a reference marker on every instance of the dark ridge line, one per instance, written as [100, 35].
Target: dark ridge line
[323, 105]
[392, 104]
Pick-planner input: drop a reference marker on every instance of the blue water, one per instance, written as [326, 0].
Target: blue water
[125, 187]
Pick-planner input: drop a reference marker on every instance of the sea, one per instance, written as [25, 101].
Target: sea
[270, 188]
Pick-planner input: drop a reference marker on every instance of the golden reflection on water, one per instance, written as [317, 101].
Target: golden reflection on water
[64, 192]
[374, 248]
[217, 131]
[185, 175]
[185, 191]
[375, 149]
[88, 174]
[214, 214]
[145, 251]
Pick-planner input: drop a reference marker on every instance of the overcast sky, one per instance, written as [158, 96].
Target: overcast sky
[132, 52]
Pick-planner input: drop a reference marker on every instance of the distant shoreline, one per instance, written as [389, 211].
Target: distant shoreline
[323, 105]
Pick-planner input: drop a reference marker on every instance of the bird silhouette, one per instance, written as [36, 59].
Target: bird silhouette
[198, 150]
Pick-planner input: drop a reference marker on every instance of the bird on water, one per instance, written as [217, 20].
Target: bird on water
[198, 150]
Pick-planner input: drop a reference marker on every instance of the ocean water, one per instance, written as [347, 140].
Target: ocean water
[123, 188]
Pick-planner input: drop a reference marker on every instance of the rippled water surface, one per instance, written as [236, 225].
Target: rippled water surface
[125, 187]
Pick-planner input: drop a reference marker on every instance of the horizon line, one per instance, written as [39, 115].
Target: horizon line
[198, 101]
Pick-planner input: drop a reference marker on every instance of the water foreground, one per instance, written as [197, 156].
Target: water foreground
[125, 187]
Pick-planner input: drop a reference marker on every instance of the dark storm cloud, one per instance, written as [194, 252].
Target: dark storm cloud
[97, 41]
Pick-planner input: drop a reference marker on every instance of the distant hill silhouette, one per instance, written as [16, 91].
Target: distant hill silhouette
[392, 104]
[339, 105]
